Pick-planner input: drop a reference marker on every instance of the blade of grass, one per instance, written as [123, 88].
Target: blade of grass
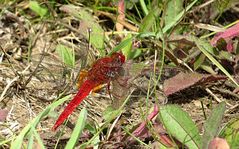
[80, 125]
[30, 142]
[17, 142]
[212, 124]
[6, 142]
[38, 138]
[173, 7]
[150, 20]
[137, 139]
[66, 54]
[204, 46]
[144, 7]
[123, 44]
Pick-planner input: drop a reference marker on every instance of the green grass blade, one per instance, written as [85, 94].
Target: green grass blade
[144, 7]
[204, 46]
[30, 141]
[149, 20]
[17, 142]
[66, 54]
[38, 138]
[212, 124]
[80, 125]
[123, 44]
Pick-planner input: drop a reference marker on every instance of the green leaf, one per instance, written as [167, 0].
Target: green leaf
[127, 49]
[80, 125]
[212, 124]
[110, 113]
[177, 18]
[122, 45]
[199, 61]
[30, 141]
[231, 133]
[34, 6]
[66, 54]
[88, 21]
[135, 53]
[208, 68]
[173, 8]
[179, 124]
[150, 20]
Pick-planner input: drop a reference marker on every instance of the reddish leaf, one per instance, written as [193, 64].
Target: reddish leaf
[218, 143]
[3, 114]
[185, 80]
[227, 35]
[164, 138]
[142, 129]
[121, 16]
[142, 132]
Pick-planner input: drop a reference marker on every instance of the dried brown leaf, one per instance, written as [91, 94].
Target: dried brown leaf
[185, 80]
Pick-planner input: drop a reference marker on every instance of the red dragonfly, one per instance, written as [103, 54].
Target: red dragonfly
[103, 71]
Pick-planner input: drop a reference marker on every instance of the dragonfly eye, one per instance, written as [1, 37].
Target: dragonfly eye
[111, 74]
[120, 58]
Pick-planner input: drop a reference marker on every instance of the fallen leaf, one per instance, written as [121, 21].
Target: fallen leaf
[185, 80]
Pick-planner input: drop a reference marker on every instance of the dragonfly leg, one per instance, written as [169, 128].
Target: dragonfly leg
[108, 88]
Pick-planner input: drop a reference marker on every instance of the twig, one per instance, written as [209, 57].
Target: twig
[215, 97]
[30, 77]
[202, 5]
[227, 92]
[203, 109]
[7, 87]
[113, 17]
[232, 108]
[13, 69]
[112, 126]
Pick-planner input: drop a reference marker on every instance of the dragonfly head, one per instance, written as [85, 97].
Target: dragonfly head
[118, 56]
